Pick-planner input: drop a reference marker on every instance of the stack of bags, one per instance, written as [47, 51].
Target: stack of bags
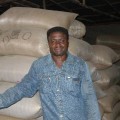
[23, 39]
[112, 41]
[106, 76]
[104, 66]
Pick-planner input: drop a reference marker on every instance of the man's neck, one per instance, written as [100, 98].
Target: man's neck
[59, 60]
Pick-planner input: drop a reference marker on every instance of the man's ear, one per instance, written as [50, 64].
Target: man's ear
[68, 43]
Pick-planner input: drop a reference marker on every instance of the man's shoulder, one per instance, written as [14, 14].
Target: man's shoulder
[77, 59]
[42, 60]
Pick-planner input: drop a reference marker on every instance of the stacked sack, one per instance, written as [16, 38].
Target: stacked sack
[112, 41]
[104, 67]
[23, 39]
[111, 103]
[106, 76]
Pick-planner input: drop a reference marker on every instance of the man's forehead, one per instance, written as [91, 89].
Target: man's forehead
[57, 34]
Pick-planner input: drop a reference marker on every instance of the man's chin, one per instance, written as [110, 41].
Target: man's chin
[58, 54]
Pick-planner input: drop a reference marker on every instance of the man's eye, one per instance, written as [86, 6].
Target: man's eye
[58, 41]
[62, 41]
[52, 41]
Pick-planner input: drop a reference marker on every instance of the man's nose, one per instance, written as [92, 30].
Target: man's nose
[57, 44]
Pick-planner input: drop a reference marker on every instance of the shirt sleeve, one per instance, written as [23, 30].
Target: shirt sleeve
[26, 88]
[89, 95]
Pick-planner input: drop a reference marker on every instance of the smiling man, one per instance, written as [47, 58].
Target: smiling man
[63, 80]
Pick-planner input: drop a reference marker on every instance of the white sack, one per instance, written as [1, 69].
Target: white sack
[118, 64]
[118, 118]
[80, 48]
[13, 118]
[8, 118]
[93, 71]
[117, 51]
[101, 110]
[104, 56]
[112, 41]
[91, 67]
[107, 77]
[20, 17]
[33, 42]
[116, 111]
[114, 114]
[27, 108]
[40, 118]
[14, 67]
[99, 92]
[77, 29]
[107, 116]
[109, 101]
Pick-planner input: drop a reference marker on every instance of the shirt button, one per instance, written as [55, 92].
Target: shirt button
[58, 90]
[61, 116]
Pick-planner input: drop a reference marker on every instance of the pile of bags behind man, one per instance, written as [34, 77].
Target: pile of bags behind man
[23, 39]
[112, 41]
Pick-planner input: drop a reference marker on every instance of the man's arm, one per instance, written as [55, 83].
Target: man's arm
[26, 88]
[89, 96]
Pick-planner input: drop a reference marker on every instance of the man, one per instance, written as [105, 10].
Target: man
[63, 80]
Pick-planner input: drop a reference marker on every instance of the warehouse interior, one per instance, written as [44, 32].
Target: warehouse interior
[99, 16]
[94, 32]
[90, 12]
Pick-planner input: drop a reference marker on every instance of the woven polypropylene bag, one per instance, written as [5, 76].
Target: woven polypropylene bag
[80, 48]
[20, 17]
[77, 29]
[104, 56]
[118, 118]
[27, 108]
[111, 99]
[112, 41]
[107, 116]
[14, 67]
[33, 42]
[116, 111]
[114, 114]
[107, 77]
[93, 71]
[101, 110]
[8, 118]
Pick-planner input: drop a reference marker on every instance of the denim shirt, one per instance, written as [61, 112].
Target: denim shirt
[66, 93]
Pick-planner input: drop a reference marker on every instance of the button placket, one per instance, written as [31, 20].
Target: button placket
[68, 77]
[59, 99]
[57, 86]
[61, 117]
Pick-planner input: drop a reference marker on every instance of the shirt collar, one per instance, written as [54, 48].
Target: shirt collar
[69, 59]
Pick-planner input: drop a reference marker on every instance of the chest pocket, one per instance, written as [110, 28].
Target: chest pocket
[45, 83]
[73, 84]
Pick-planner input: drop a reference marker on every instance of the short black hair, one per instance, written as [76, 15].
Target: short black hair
[58, 29]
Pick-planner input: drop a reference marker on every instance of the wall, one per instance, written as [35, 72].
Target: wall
[93, 31]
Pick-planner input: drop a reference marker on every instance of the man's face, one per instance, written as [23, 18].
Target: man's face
[58, 44]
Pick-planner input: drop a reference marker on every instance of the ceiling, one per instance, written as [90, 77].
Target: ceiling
[91, 12]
